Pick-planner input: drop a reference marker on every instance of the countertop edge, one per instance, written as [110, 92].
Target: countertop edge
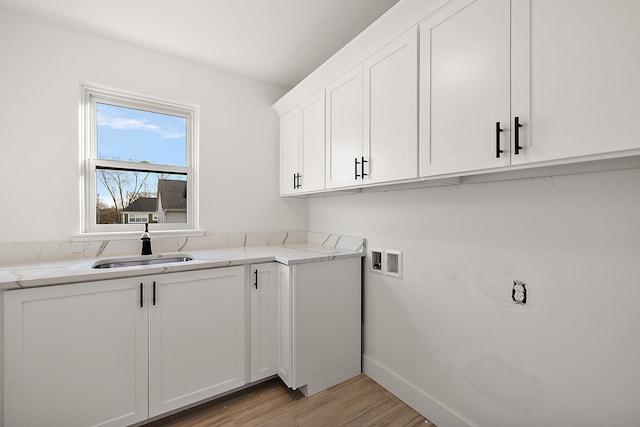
[77, 271]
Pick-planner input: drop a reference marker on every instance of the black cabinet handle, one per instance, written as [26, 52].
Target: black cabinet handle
[294, 181]
[256, 282]
[517, 126]
[141, 295]
[356, 163]
[498, 130]
[154, 292]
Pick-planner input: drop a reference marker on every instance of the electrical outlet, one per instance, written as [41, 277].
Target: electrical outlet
[519, 292]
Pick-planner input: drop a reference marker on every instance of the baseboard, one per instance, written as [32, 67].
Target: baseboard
[426, 405]
[331, 377]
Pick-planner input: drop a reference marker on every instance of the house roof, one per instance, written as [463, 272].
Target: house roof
[172, 194]
[142, 204]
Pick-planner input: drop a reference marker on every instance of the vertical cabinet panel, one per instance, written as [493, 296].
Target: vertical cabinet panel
[344, 129]
[76, 355]
[464, 81]
[197, 338]
[391, 110]
[575, 80]
[319, 323]
[327, 323]
[262, 293]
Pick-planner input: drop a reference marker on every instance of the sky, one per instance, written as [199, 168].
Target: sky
[135, 135]
[128, 134]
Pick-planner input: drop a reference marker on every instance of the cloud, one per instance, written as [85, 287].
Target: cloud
[122, 123]
[172, 135]
[126, 124]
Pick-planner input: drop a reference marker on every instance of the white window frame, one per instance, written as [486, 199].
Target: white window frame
[92, 94]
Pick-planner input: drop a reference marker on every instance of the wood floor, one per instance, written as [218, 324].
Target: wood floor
[357, 402]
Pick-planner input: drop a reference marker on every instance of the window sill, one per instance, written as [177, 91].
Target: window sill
[131, 235]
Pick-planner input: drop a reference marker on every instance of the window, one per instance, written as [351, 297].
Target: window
[139, 162]
[137, 218]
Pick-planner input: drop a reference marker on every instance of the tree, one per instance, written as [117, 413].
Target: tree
[106, 214]
[124, 187]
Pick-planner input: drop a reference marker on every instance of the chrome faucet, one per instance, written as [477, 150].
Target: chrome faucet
[146, 240]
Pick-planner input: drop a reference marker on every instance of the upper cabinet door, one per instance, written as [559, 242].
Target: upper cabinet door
[391, 119]
[465, 87]
[344, 130]
[289, 152]
[312, 124]
[575, 77]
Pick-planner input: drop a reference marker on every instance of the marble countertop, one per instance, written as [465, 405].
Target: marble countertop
[79, 270]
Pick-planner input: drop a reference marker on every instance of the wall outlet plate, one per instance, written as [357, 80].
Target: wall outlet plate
[386, 261]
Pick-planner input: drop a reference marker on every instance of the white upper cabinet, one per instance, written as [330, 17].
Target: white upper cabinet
[302, 147]
[464, 87]
[344, 130]
[391, 111]
[575, 77]
[372, 126]
[485, 86]
[524, 81]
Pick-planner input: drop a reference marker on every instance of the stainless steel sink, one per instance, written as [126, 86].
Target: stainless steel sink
[141, 260]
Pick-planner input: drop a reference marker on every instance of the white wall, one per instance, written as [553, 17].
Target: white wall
[43, 64]
[449, 328]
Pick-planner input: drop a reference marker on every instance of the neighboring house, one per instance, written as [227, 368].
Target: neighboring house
[172, 201]
[141, 210]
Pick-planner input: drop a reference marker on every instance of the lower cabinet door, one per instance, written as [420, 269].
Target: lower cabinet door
[284, 314]
[76, 355]
[263, 320]
[197, 336]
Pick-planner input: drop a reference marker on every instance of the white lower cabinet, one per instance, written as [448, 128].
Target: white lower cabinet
[76, 355]
[116, 352]
[319, 323]
[262, 295]
[196, 336]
